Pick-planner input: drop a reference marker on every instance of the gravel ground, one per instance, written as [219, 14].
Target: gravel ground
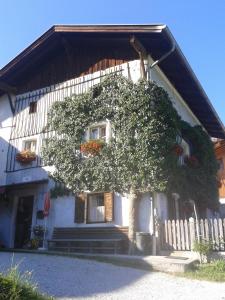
[70, 278]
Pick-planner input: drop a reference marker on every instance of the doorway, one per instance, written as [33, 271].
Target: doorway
[23, 221]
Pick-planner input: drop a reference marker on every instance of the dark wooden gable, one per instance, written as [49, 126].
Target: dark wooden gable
[74, 57]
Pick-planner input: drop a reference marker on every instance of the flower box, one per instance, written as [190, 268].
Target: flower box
[25, 157]
[92, 147]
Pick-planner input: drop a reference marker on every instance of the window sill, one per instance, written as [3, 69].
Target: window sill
[96, 222]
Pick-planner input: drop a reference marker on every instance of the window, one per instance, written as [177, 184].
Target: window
[94, 133]
[33, 107]
[45, 142]
[221, 165]
[186, 151]
[94, 207]
[98, 132]
[30, 145]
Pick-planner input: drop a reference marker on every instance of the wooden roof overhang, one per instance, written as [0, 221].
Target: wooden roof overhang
[156, 39]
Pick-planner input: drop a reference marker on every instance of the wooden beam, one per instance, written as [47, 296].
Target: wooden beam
[140, 49]
[138, 46]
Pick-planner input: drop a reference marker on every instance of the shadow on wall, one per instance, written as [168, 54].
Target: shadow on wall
[6, 204]
[13, 185]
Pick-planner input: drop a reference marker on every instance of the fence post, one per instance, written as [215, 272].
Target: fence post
[192, 231]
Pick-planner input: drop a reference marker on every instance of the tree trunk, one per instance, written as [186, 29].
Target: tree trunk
[133, 197]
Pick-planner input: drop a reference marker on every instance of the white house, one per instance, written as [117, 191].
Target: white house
[67, 60]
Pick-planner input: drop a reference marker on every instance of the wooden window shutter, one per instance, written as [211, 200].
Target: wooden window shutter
[109, 206]
[80, 207]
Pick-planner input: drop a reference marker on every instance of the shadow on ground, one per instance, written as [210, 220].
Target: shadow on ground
[64, 277]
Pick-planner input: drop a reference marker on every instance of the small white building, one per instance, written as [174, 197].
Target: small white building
[67, 60]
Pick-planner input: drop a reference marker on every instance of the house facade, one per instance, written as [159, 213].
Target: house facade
[69, 60]
[220, 155]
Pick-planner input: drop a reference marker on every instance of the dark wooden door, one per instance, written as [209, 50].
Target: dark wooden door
[23, 221]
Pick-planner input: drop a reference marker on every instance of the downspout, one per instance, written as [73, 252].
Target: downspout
[155, 63]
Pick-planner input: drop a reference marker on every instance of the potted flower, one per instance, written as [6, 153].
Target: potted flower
[92, 147]
[38, 231]
[25, 156]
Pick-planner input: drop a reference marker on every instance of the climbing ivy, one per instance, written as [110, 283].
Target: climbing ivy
[140, 153]
[197, 181]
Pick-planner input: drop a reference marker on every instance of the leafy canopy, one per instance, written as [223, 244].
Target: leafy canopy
[139, 154]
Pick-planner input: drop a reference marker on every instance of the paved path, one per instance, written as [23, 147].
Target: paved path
[70, 278]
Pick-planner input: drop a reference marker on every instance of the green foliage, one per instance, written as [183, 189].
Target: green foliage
[144, 125]
[198, 183]
[215, 271]
[16, 286]
[139, 155]
[59, 190]
[204, 248]
[219, 265]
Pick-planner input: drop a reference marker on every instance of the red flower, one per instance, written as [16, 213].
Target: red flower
[178, 150]
[191, 161]
[25, 156]
[92, 147]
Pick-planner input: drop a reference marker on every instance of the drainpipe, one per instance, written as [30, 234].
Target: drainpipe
[155, 63]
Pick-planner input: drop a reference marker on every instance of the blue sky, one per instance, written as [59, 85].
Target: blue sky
[198, 26]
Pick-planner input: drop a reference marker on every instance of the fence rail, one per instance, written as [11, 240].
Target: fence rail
[181, 234]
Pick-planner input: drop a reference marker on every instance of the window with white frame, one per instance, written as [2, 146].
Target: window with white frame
[186, 151]
[45, 142]
[97, 132]
[96, 208]
[30, 145]
[221, 164]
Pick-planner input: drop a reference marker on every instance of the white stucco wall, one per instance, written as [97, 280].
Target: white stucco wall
[144, 214]
[62, 213]
[161, 206]
[222, 207]
[183, 110]
[5, 130]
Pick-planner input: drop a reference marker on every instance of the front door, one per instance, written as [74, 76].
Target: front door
[23, 221]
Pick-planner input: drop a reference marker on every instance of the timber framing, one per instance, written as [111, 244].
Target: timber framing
[107, 44]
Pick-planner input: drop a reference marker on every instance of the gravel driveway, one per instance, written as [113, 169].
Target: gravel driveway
[70, 278]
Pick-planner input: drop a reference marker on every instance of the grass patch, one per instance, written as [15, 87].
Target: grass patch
[214, 271]
[17, 286]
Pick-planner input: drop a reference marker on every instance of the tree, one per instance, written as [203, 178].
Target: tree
[138, 158]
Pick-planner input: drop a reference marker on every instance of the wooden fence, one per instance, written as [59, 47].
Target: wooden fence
[181, 234]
